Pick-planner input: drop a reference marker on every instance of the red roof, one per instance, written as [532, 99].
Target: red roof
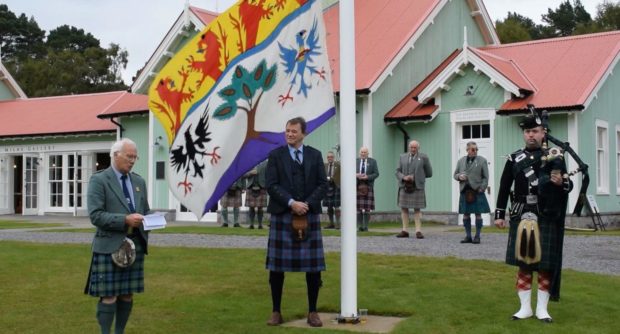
[409, 108]
[382, 28]
[564, 71]
[71, 114]
[204, 15]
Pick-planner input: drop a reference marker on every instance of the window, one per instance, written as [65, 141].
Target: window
[476, 131]
[55, 180]
[74, 178]
[602, 158]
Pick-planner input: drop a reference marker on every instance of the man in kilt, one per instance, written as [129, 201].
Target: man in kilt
[472, 173]
[232, 199]
[367, 172]
[332, 198]
[256, 193]
[117, 201]
[540, 197]
[413, 169]
[296, 183]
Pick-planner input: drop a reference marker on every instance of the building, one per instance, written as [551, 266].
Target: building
[443, 94]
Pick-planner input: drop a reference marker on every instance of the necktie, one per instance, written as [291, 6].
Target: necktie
[297, 159]
[126, 193]
[363, 169]
[330, 170]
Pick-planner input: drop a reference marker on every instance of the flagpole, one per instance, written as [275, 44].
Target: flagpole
[348, 245]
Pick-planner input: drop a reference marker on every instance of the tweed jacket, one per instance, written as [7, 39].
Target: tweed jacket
[420, 167]
[258, 178]
[336, 172]
[107, 208]
[279, 177]
[372, 170]
[477, 173]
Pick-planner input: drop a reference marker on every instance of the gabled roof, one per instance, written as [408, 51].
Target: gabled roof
[566, 72]
[165, 50]
[385, 30]
[6, 77]
[71, 114]
[555, 74]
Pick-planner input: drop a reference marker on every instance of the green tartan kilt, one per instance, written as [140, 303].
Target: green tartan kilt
[550, 252]
[106, 279]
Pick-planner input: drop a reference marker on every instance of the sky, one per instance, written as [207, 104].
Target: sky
[139, 25]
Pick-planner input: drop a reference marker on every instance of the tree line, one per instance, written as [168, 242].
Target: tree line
[67, 60]
[567, 20]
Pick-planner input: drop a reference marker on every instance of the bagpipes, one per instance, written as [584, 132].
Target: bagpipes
[558, 153]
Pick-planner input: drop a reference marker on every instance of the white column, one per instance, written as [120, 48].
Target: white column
[348, 248]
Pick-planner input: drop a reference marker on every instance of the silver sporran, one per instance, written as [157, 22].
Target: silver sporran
[125, 255]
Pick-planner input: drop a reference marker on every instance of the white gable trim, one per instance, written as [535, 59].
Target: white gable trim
[488, 22]
[176, 32]
[594, 94]
[12, 84]
[465, 58]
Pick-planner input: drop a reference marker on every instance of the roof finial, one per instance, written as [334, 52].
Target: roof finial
[465, 44]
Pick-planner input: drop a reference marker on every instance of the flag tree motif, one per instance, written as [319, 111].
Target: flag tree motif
[225, 97]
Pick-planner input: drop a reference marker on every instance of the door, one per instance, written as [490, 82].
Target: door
[480, 133]
[30, 191]
[6, 186]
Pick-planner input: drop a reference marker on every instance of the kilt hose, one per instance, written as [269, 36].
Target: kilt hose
[366, 203]
[256, 198]
[549, 232]
[414, 200]
[228, 201]
[284, 254]
[480, 205]
[105, 279]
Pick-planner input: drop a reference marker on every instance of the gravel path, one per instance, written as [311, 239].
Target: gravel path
[596, 253]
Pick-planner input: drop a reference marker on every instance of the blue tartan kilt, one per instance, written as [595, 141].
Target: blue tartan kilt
[284, 254]
[481, 205]
[366, 203]
[106, 279]
[332, 198]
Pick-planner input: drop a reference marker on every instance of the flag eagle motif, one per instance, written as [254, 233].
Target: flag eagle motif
[224, 98]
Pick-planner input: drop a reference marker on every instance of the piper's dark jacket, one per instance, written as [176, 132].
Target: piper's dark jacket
[280, 180]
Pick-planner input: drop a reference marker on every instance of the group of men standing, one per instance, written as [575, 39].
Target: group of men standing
[297, 180]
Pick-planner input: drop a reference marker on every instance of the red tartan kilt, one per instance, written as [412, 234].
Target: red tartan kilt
[366, 203]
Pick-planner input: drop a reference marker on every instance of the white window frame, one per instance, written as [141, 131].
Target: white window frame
[602, 158]
[617, 159]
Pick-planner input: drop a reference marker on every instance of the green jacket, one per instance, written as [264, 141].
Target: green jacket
[107, 208]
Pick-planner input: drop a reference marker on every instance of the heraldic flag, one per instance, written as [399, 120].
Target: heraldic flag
[225, 97]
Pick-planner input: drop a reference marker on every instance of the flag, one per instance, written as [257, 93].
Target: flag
[225, 97]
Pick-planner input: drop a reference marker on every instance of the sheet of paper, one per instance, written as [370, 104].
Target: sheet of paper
[155, 221]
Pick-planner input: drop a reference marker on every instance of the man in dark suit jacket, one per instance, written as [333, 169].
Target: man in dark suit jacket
[296, 183]
[117, 201]
[367, 171]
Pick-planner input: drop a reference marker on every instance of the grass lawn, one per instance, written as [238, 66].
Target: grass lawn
[226, 291]
[16, 224]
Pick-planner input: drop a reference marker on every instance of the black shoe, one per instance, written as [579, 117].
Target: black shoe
[251, 227]
[260, 227]
[330, 226]
[237, 225]
[225, 225]
[467, 240]
[476, 240]
[403, 234]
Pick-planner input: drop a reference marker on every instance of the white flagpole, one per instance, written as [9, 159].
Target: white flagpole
[348, 245]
